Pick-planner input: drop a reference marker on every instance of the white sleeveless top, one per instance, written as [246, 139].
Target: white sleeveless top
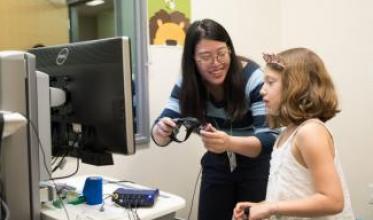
[289, 180]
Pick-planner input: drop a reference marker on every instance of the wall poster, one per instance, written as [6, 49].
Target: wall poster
[168, 21]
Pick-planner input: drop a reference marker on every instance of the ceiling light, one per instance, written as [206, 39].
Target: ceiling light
[95, 2]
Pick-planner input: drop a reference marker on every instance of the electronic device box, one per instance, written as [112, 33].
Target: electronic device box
[132, 198]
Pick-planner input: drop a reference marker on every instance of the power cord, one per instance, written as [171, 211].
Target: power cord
[102, 208]
[194, 192]
[59, 164]
[77, 161]
[69, 175]
[132, 213]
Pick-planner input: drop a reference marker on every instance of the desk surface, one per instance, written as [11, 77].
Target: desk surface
[165, 204]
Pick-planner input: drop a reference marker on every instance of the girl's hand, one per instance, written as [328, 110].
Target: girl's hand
[214, 140]
[258, 211]
[239, 210]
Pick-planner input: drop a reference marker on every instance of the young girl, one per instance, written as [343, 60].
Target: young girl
[306, 180]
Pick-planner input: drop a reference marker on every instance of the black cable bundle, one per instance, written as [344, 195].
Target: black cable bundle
[4, 211]
[1, 128]
[1, 185]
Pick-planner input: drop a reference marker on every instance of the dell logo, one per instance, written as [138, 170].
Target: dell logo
[62, 56]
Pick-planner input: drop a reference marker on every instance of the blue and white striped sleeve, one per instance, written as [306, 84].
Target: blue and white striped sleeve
[265, 135]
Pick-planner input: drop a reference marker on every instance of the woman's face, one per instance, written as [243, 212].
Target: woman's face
[272, 91]
[213, 61]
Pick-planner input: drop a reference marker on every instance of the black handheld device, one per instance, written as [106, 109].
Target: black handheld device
[246, 210]
[190, 124]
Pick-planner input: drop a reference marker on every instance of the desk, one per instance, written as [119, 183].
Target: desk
[164, 208]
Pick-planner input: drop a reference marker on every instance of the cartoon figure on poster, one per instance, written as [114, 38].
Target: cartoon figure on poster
[168, 21]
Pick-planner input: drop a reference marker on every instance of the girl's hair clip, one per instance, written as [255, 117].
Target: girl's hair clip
[271, 58]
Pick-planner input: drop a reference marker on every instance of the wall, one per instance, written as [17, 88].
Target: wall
[25, 23]
[87, 28]
[105, 24]
[339, 30]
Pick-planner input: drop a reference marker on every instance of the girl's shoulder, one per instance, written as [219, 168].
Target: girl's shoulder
[312, 133]
[312, 126]
[312, 141]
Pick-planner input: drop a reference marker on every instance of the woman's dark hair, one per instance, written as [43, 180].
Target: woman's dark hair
[193, 94]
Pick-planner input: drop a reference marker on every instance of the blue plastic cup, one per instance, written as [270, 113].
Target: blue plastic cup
[92, 190]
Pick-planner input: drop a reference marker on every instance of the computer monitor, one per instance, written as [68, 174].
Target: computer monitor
[19, 151]
[97, 118]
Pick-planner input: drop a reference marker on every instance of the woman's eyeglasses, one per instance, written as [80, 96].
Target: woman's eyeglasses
[209, 58]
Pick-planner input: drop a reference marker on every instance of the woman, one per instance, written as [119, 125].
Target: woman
[216, 89]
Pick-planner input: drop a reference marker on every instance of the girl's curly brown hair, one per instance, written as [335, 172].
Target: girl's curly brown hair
[308, 90]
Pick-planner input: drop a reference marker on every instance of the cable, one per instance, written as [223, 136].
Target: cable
[136, 214]
[1, 129]
[3, 206]
[194, 192]
[102, 209]
[54, 160]
[77, 161]
[128, 213]
[69, 175]
[76, 141]
[5, 210]
[59, 163]
[120, 181]
[40, 145]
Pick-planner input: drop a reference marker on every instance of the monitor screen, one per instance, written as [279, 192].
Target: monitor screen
[97, 118]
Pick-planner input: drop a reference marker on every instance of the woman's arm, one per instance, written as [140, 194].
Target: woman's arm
[219, 141]
[163, 125]
[240, 145]
[263, 139]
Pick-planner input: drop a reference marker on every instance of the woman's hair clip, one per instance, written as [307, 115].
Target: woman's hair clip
[274, 60]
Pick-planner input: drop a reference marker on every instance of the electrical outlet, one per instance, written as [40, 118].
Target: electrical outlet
[370, 193]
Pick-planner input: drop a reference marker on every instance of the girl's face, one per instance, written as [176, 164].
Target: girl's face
[272, 91]
[213, 61]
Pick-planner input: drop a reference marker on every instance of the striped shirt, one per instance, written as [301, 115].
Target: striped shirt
[252, 124]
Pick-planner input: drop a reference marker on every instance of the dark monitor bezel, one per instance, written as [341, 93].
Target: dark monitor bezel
[123, 43]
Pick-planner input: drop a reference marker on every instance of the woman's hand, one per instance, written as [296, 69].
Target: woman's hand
[165, 126]
[162, 130]
[258, 211]
[214, 140]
